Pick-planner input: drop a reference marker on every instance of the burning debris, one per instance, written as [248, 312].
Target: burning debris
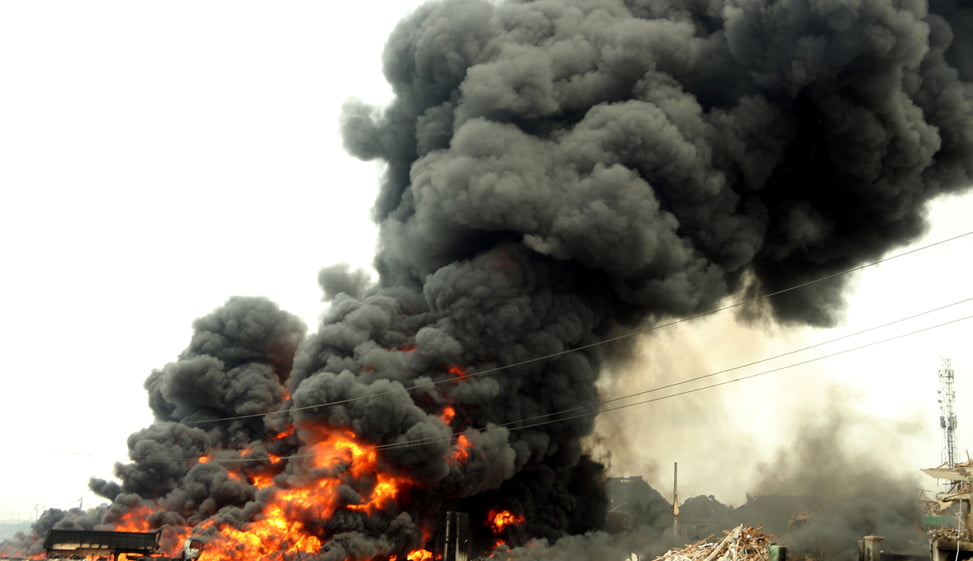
[557, 173]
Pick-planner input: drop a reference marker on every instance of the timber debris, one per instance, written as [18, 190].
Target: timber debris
[743, 543]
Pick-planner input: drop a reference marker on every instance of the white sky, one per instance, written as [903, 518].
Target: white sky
[158, 158]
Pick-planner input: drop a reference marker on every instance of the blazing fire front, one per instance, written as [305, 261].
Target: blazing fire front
[557, 174]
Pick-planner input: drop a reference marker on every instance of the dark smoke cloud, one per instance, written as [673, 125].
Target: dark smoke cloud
[673, 148]
[646, 160]
[235, 366]
[238, 357]
[557, 172]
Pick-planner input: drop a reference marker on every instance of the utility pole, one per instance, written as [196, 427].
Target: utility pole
[675, 498]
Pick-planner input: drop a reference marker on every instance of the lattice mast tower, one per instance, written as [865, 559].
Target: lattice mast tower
[947, 414]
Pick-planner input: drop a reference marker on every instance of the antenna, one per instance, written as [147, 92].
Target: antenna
[947, 415]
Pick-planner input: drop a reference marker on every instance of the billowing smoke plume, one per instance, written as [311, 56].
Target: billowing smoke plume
[556, 172]
[670, 146]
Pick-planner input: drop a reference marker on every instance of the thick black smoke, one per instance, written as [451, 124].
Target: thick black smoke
[671, 146]
[558, 169]
[557, 172]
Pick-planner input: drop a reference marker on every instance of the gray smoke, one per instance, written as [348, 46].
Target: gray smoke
[818, 496]
[557, 173]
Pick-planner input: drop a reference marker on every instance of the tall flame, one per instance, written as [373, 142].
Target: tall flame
[337, 459]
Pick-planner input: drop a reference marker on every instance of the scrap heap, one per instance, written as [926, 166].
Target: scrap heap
[743, 543]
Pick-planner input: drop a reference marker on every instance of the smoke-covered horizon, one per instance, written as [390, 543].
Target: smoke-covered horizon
[557, 173]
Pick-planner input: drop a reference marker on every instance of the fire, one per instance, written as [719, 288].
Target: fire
[458, 372]
[336, 460]
[448, 414]
[461, 452]
[262, 480]
[135, 519]
[420, 555]
[283, 434]
[341, 474]
[498, 520]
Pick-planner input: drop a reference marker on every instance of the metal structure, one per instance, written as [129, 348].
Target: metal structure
[947, 414]
[455, 541]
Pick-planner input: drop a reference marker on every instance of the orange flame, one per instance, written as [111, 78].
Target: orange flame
[420, 555]
[337, 459]
[262, 480]
[461, 452]
[135, 519]
[283, 434]
[448, 414]
[498, 520]
[332, 459]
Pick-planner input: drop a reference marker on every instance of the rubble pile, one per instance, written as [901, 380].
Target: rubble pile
[947, 534]
[743, 543]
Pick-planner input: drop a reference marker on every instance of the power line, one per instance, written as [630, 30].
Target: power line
[598, 343]
[598, 407]
[779, 369]
[760, 361]
[689, 391]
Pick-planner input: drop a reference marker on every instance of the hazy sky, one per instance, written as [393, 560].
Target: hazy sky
[158, 158]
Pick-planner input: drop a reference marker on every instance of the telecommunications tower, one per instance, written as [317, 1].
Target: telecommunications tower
[947, 415]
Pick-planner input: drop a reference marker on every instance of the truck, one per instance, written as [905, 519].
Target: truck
[73, 544]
